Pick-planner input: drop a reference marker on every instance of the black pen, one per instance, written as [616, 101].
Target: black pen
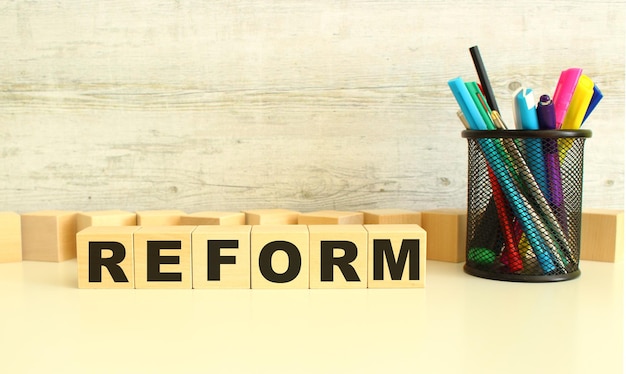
[484, 79]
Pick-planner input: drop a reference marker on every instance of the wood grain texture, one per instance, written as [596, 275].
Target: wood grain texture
[222, 105]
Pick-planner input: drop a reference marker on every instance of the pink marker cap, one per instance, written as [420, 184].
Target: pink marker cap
[564, 92]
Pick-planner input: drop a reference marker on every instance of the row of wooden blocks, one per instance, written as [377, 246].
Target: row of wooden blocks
[244, 256]
[51, 235]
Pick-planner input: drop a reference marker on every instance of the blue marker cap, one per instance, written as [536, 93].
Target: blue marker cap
[465, 101]
[525, 111]
[595, 99]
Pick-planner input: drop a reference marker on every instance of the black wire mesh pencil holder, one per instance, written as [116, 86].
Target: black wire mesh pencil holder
[524, 204]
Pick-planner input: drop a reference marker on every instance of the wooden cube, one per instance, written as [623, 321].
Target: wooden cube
[271, 217]
[221, 256]
[279, 256]
[396, 256]
[105, 257]
[391, 216]
[49, 235]
[330, 217]
[338, 256]
[447, 234]
[163, 257]
[159, 217]
[213, 218]
[105, 218]
[10, 237]
[602, 235]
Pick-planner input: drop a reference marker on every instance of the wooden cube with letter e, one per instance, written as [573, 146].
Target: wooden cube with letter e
[163, 257]
[338, 256]
[279, 256]
[221, 256]
[105, 257]
[396, 256]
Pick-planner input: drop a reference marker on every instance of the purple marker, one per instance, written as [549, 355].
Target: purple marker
[546, 114]
[547, 121]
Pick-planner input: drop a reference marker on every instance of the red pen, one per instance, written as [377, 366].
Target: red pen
[512, 258]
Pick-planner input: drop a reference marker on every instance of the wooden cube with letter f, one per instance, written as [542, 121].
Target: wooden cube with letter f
[396, 256]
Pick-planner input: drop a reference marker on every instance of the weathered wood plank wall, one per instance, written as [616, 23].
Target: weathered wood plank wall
[230, 105]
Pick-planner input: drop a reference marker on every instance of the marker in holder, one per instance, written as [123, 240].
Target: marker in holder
[538, 242]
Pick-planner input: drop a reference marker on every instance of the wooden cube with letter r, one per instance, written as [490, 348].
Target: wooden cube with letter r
[396, 256]
[338, 256]
[105, 257]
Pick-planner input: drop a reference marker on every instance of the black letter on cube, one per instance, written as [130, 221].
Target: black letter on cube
[409, 248]
[96, 262]
[265, 261]
[215, 260]
[327, 261]
[155, 260]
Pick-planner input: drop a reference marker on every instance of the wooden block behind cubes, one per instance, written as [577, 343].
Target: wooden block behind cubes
[391, 216]
[10, 237]
[163, 257]
[105, 218]
[271, 217]
[105, 257]
[159, 217]
[338, 256]
[279, 256]
[396, 256]
[447, 231]
[221, 256]
[602, 235]
[49, 235]
[330, 217]
[213, 218]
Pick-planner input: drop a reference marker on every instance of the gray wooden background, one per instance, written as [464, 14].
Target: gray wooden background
[307, 105]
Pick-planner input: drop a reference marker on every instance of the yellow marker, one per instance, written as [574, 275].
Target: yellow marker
[579, 104]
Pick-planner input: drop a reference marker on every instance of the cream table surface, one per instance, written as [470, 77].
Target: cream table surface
[456, 324]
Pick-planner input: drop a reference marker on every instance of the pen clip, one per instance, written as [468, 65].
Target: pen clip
[497, 120]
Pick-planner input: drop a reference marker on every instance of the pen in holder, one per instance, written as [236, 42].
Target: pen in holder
[525, 233]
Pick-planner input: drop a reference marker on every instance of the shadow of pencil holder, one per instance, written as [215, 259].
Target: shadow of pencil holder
[524, 202]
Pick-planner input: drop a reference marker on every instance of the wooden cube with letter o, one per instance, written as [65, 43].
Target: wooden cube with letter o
[279, 256]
